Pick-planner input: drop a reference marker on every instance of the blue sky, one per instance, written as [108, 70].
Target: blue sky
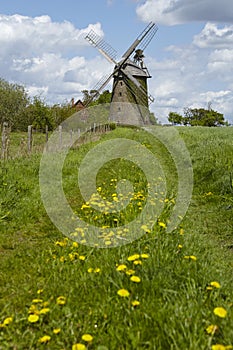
[190, 57]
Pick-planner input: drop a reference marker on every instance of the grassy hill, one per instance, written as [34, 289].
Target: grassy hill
[165, 290]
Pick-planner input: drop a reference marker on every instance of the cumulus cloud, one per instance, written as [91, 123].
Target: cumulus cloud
[171, 12]
[213, 37]
[46, 56]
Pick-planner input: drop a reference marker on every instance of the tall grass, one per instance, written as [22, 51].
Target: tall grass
[184, 284]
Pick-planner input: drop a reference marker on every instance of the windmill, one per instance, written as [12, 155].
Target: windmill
[130, 97]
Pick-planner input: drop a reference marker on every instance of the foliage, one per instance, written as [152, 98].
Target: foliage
[197, 117]
[13, 101]
[175, 118]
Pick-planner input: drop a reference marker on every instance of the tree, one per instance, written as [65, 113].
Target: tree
[13, 101]
[175, 118]
[38, 114]
[203, 117]
[197, 117]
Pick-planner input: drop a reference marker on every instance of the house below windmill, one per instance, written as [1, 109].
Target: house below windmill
[78, 105]
[80, 108]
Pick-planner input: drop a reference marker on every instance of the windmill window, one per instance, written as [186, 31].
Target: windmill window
[120, 94]
[119, 108]
[121, 83]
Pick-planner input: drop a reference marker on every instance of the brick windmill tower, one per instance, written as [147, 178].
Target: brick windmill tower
[130, 97]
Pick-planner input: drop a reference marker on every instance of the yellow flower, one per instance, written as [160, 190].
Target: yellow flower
[121, 267]
[33, 318]
[133, 257]
[123, 293]
[180, 246]
[211, 329]
[137, 262]
[162, 224]
[44, 339]
[192, 257]
[96, 270]
[145, 228]
[144, 256]
[135, 279]
[7, 321]
[36, 301]
[181, 231]
[218, 347]
[130, 272]
[56, 330]
[78, 346]
[44, 311]
[90, 270]
[135, 302]
[220, 311]
[40, 291]
[61, 300]
[82, 257]
[75, 245]
[215, 284]
[87, 337]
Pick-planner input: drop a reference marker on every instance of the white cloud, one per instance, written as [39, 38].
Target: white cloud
[213, 37]
[171, 12]
[46, 56]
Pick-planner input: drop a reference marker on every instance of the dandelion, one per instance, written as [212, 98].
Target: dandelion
[180, 246]
[145, 229]
[61, 300]
[44, 311]
[144, 256]
[37, 301]
[97, 270]
[44, 339]
[137, 262]
[123, 293]
[56, 330]
[130, 272]
[215, 284]
[135, 303]
[75, 245]
[87, 337]
[212, 329]
[40, 291]
[82, 257]
[218, 347]
[133, 257]
[135, 279]
[193, 257]
[78, 346]
[90, 270]
[181, 231]
[33, 318]
[162, 224]
[7, 321]
[121, 267]
[220, 312]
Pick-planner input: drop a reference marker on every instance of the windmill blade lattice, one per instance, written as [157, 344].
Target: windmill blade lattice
[105, 49]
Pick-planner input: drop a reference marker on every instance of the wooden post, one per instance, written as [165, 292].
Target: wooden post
[5, 140]
[29, 138]
[46, 136]
[60, 135]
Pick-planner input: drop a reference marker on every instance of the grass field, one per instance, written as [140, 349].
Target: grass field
[162, 291]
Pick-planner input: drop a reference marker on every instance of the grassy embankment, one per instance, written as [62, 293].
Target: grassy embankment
[54, 291]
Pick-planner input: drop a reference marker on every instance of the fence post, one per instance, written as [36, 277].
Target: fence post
[29, 138]
[46, 137]
[5, 140]
[60, 135]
